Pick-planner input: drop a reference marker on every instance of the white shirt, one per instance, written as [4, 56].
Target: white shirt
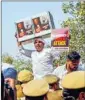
[61, 71]
[42, 61]
[6, 66]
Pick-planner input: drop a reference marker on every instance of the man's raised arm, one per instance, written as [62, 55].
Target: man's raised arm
[25, 52]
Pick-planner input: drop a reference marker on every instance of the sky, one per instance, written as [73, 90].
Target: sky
[13, 11]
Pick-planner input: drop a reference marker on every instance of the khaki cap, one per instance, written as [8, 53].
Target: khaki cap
[36, 88]
[55, 95]
[51, 78]
[25, 76]
[19, 91]
[74, 80]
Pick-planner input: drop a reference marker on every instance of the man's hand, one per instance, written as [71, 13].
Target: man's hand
[20, 44]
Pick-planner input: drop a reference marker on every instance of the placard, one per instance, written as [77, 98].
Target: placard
[60, 39]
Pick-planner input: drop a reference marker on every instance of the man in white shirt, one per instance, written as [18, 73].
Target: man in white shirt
[72, 64]
[42, 58]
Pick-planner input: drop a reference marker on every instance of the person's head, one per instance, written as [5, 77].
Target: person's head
[74, 85]
[74, 94]
[36, 21]
[52, 80]
[20, 25]
[25, 76]
[54, 86]
[10, 75]
[39, 44]
[73, 59]
[35, 89]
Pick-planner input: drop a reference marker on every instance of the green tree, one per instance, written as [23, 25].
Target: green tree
[6, 58]
[76, 23]
[19, 62]
[61, 60]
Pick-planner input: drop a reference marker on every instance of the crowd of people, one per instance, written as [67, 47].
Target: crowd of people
[65, 82]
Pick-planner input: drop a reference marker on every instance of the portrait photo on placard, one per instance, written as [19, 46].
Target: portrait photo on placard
[28, 27]
[37, 24]
[44, 22]
[21, 29]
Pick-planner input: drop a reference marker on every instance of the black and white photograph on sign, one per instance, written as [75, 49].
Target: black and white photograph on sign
[28, 27]
[44, 22]
[21, 29]
[37, 25]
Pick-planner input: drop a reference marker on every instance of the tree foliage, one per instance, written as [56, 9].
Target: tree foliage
[76, 23]
[6, 58]
[19, 62]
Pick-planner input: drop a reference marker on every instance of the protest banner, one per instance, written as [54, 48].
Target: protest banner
[42, 24]
[24, 29]
[38, 25]
[60, 39]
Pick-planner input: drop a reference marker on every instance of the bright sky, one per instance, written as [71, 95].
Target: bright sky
[13, 11]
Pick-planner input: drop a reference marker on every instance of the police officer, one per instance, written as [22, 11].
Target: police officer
[54, 93]
[52, 80]
[25, 76]
[74, 86]
[36, 89]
